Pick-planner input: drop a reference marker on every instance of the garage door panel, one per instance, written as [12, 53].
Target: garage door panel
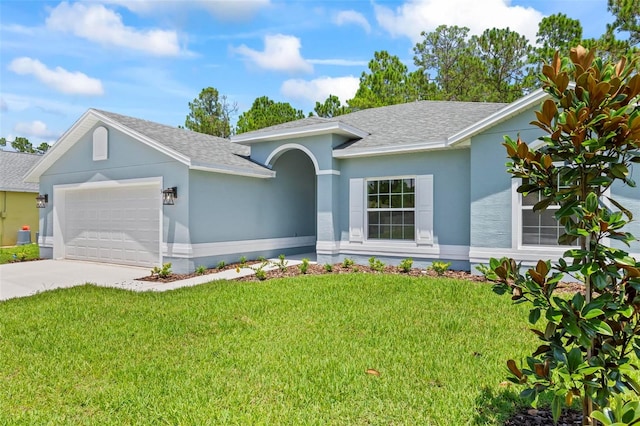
[114, 225]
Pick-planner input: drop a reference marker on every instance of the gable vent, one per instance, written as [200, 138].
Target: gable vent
[100, 144]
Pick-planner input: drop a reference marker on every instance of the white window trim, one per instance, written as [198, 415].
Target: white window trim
[414, 209]
[516, 223]
[423, 217]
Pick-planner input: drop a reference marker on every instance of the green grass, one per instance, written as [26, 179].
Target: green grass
[28, 251]
[292, 351]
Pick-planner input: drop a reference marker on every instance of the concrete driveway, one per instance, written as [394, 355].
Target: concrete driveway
[27, 278]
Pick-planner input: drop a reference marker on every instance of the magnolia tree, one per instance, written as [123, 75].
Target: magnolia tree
[589, 342]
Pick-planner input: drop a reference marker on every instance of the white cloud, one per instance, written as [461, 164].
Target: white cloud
[281, 53]
[319, 89]
[352, 17]
[235, 10]
[338, 62]
[34, 129]
[96, 23]
[3, 105]
[415, 16]
[70, 83]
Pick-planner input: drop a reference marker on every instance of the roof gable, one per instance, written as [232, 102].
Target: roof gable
[195, 150]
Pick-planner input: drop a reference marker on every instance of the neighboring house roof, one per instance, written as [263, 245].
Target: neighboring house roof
[196, 150]
[13, 167]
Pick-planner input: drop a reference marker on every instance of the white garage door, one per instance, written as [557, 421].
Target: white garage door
[113, 225]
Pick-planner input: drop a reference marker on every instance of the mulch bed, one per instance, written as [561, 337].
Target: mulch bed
[543, 417]
[314, 269]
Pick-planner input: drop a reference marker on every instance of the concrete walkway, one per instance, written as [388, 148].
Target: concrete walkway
[27, 278]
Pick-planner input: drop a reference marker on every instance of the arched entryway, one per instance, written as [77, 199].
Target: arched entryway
[296, 188]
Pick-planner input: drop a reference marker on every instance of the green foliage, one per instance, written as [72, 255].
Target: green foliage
[210, 113]
[447, 52]
[260, 273]
[347, 262]
[440, 267]
[627, 14]
[264, 113]
[22, 144]
[556, 32]
[221, 264]
[620, 413]
[387, 83]
[328, 267]
[304, 266]
[162, 272]
[243, 261]
[281, 263]
[331, 108]
[503, 56]
[200, 270]
[406, 264]
[590, 343]
[19, 253]
[376, 264]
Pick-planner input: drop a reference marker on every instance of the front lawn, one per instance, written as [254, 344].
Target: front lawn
[19, 253]
[304, 350]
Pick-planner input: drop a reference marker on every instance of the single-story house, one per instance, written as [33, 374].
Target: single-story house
[424, 180]
[17, 197]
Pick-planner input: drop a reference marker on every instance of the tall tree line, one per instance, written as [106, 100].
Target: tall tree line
[499, 65]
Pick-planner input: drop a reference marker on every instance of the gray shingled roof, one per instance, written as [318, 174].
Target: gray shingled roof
[402, 124]
[13, 167]
[203, 150]
[415, 122]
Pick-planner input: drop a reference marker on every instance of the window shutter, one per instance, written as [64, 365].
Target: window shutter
[424, 209]
[356, 209]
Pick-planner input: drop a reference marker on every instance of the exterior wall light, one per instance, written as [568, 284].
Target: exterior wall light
[169, 195]
[42, 200]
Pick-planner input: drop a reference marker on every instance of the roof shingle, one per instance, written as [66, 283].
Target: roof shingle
[13, 167]
[203, 150]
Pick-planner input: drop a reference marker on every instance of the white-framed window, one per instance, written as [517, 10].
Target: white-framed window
[540, 228]
[391, 209]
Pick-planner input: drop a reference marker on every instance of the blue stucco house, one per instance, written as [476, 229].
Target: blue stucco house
[424, 180]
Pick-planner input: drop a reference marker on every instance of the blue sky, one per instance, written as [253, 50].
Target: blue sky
[149, 58]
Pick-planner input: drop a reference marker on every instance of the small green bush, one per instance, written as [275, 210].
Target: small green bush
[347, 262]
[243, 261]
[406, 264]
[163, 272]
[304, 266]
[440, 267]
[221, 264]
[200, 270]
[281, 263]
[328, 267]
[376, 264]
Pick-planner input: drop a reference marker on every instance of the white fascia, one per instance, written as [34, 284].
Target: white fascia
[267, 174]
[505, 113]
[333, 127]
[389, 150]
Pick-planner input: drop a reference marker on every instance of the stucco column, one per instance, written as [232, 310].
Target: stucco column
[328, 226]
